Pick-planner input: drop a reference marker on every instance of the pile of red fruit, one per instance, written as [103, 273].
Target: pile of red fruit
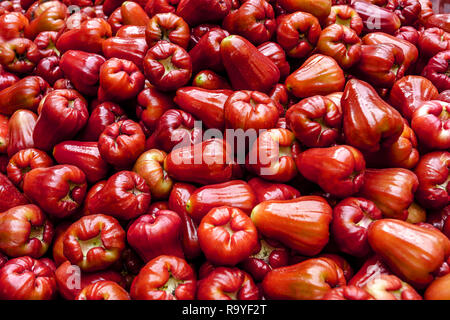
[224, 149]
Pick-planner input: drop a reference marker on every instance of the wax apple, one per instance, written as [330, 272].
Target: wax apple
[340, 170]
[24, 161]
[71, 280]
[119, 73]
[216, 164]
[401, 154]
[152, 235]
[410, 92]
[195, 12]
[308, 280]
[169, 27]
[438, 289]
[83, 70]
[410, 51]
[413, 252]
[175, 129]
[250, 110]
[150, 167]
[273, 155]
[45, 41]
[283, 100]
[179, 196]
[26, 278]
[129, 265]
[289, 221]
[267, 255]
[103, 290]
[12, 25]
[25, 231]
[206, 52]
[346, 16]
[225, 283]
[160, 6]
[254, 20]
[58, 243]
[24, 94]
[10, 195]
[320, 9]
[206, 105]
[7, 79]
[20, 131]
[444, 96]
[19, 55]
[167, 66]
[369, 122]
[407, 10]
[102, 116]
[151, 105]
[207, 79]
[58, 190]
[109, 5]
[275, 52]
[115, 20]
[237, 194]
[133, 13]
[433, 174]
[381, 64]
[392, 190]
[390, 287]
[376, 18]
[265, 190]
[63, 84]
[227, 236]
[351, 219]
[88, 37]
[64, 113]
[318, 75]
[3, 133]
[431, 124]
[247, 68]
[121, 143]
[84, 155]
[127, 48]
[372, 268]
[408, 33]
[48, 68]
[340, 43]
[124, 196]
[347, 293]
[298, 33]
[316, 121]
[436, 70]
[47, 17]
[94, 242]
[433, 40]
[199, 31]
[165, 278]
